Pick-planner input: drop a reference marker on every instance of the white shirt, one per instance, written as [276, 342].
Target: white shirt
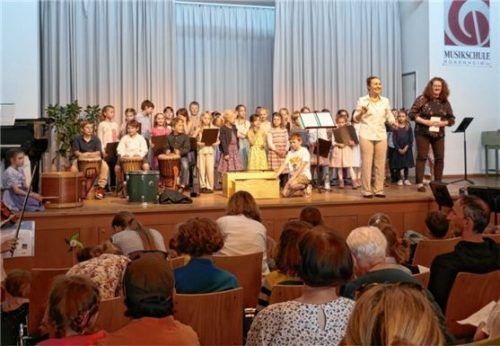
[107, 131]
[373, 121]
[242, 127]
[130, 241]
[243, 236]
[294, 160]
[266, 126]
[132, 146]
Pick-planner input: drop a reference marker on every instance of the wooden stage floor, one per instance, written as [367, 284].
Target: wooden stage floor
[343, 210]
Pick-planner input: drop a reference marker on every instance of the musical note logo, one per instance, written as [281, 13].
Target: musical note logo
[467, 23]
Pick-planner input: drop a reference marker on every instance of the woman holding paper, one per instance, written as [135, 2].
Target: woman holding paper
[431, 112]
[373, 111]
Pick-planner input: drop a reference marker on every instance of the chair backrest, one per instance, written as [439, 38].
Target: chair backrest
[216, 317]
[470, 292]
[283, 293]
[112, 315]
[248, 271]
[41, 283]
[428, 249]
[177, 262]
[423, 278]
[495, 237]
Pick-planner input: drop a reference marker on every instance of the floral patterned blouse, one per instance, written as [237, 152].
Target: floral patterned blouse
[296, 323]
[425, 108]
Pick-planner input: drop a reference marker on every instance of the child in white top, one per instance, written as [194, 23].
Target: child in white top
[342, 153]
[107, 131]
[206, 156]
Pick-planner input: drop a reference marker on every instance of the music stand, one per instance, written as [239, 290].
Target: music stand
[462, 128]
[441, 194]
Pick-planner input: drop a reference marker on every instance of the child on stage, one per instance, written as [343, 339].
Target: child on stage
[130, 114]
[169, 116]
[230, 160]
[278, 144]
[107, 131]
[206, 156]
[298, 161]
[178, 143]
[144, 118]
[14, 184]
[257, 159]
[342, 154]
[159, 129]
[402, 137]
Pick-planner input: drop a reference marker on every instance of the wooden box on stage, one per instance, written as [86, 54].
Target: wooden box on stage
[260, 184]
[63, 189]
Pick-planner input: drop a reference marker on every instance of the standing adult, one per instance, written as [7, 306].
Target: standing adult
[431, 112]
[373, 111]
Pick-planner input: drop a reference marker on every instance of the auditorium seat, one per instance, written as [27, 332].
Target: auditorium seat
[177, 262]
[216, 317]
[41, 284]
[495, 237]
[112, 315]
[284, 293]
[428, 249]
[423, 278]
[248, 271]
[470, 292]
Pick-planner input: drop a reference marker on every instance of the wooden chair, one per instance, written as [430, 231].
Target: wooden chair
[495, 237]
[427, 250]
[284, 293]
[423, 278]
[177, 262]
[112, 315]
[41, 283]
[470, 292]
[216, 317]
[248, 271]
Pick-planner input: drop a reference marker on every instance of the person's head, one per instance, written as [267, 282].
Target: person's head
[287, 254]
[90, 252]
[125, 220]
[311, 215]
[295, 141]
[107, 112]
[15, 157]
[194, 108]
[73, 305]
[285, 114]
[255, 121]
[257, 109]
[86, 128]
[341, 119]
[218, 119]
[264, 114]
[437, 88]
[374, 85]
[379, 218]
[402, 117]
[159, 120]
[133, 127]
[147, 107]
[229, 117]
[241, 111]
[437, 224]
[296, 119]
[305, 109]
[18, 283]
[470, 214]
[278, 121]
[243, 203]
[396, 248]
[148, 285]
[342, 112]
[130, 114]
[325, 259]
[206, 119]
[198, 237]
[183, 114]
[393, 314]
[169, 113]
[368, 246]
[178, 125]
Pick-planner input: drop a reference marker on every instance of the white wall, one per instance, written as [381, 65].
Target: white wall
[20, 56]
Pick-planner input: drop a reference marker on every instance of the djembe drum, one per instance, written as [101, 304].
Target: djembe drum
[131, 164]
[90, 167]
[170, 167]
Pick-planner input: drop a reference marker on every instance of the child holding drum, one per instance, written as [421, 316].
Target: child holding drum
[159, 129]
[178, 143]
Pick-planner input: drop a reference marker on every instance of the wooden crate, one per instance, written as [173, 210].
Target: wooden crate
[259, 184]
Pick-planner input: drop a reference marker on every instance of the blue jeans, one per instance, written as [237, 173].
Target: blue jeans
[184, 171]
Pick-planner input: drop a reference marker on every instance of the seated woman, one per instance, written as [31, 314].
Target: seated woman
[287, 261]
[72, 311]
[319, 316]
[131, 236]
[242, 228]
[380, 318]
[104, 265]
[15, 305]
[200, 238]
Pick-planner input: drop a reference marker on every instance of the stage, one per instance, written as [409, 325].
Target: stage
[343, 210]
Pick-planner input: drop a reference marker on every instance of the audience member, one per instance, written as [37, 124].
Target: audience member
[318, 316]
[311, 215]
[242, 228]
[287, 261]
[397, 249]
[72, 312]
[379, 218]
[15, 305]
[131, 236]
[473, 254]
[200, 238]
[149, 286]
[381, 318]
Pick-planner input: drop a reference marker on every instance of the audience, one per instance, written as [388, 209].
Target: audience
[378, 219]
[318, 316]
[242, 228]
[397, 249]
[287, 261]
[131, 236]
[72, 312]
[473, 254]
[15, 305]
[393, 314]
[311, 215]
[149, 286]
[200, 238]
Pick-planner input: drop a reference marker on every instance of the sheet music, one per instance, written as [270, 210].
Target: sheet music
[479, 316]
[308, 120]
[434, 128]
[7, 114]
[26, 241]
[325, 119]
